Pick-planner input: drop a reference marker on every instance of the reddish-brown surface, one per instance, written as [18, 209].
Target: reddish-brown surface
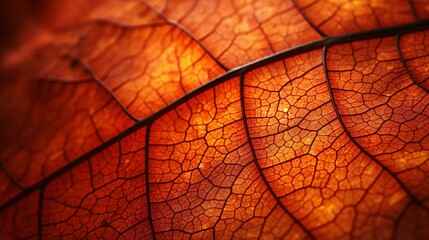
[214, 119]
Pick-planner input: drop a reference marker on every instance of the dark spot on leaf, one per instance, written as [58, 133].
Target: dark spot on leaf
[104, 224]
[74, 63]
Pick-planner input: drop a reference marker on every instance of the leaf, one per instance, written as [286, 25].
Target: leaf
[215, 119]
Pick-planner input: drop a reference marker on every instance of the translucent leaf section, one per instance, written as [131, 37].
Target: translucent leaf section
[383, 109]
[240, 31]
[332, 187]
[75, 87]
[20, 221]
[146, 67]
[335, 17]
[422, 8]
[129, 13]
[50, 122]
[103, 197]
[203, 179]
[414, 50]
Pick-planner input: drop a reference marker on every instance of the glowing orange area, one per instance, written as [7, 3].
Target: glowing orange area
[187, 119]
[335, 17]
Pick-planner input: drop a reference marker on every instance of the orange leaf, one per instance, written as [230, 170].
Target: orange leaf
[170, 119]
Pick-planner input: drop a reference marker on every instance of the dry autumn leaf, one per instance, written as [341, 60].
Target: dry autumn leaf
[244, 119]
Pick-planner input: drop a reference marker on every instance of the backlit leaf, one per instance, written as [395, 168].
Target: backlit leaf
[243, 119]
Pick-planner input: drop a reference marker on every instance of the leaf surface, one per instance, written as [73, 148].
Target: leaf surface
[216, 119]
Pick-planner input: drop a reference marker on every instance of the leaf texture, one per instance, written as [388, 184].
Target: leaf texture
[215, 120]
